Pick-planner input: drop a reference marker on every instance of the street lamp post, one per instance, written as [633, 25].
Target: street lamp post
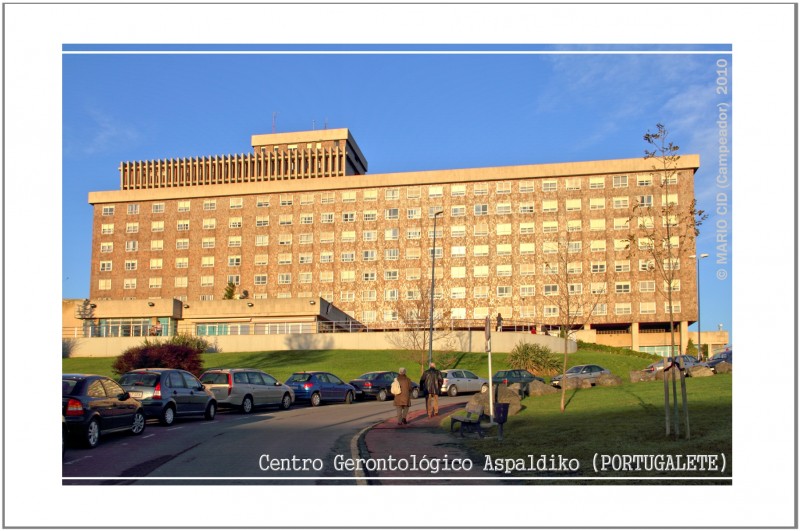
[433, 286]
[699, 342]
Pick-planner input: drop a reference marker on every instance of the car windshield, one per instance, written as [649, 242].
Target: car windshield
[214, 378]
[573, 370]
[721, 356]
[299, 378]
[369, 376]
[501, 374]
[144, 379]
[68, 386]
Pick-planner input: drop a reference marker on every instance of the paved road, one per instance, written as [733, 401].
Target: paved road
[232, 447]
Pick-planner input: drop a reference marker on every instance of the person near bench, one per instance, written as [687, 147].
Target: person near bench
[403, 399]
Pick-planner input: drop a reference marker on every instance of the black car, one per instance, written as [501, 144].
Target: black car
[94, 405]
[719, 357]
[520, 376]
[378, 384]
[169, 393]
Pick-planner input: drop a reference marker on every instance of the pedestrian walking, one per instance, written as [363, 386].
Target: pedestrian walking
[403, 398]
[499, 323]
[432, 381]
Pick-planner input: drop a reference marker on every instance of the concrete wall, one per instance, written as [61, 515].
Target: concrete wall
[463, 341]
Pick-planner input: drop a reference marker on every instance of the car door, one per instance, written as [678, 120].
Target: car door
[337, 386]
[121, 410]
[257, 388]
[471, 382]
[197, 396]
[176, 391]
[273, 393]
[99, 401]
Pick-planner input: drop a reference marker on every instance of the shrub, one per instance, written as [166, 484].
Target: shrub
[154, 354]
[535, 358]
[582, 345]
[194, 342]
[68, 345]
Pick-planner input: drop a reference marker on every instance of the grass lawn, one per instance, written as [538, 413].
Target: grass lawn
[628, 419]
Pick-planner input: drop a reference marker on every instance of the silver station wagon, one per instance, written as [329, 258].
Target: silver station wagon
[247, 389]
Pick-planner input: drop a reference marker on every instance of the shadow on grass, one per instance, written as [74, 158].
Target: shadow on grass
[649, 408]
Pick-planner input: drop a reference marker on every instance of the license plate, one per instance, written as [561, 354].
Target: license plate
[136, 394]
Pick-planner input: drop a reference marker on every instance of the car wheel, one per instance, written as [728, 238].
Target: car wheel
[316, 399]
[247, 405]
[348, 398]
[286, 401]
[139, 423]
[452, 390]
[211, 411]
[381, 395]
[92, 434]
[415, 392]
[485, 388]
[167, 416]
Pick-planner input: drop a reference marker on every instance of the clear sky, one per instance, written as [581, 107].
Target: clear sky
[407, 112]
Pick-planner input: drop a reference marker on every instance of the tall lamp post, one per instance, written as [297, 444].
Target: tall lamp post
[433, 286]
[699, 343]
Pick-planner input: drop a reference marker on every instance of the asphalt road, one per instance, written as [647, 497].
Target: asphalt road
[303, 445]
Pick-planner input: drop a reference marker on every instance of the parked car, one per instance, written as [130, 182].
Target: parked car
[520, 376]
[719, 357]
[94, 405]
[317, 387]
[581, 372]
[169, 393]
[378, 385]
[462, 381]
[683, 361]
[247, 389]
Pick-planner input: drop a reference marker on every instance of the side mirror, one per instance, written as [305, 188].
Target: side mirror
[277, 384]
[201, 387]
[124, 396]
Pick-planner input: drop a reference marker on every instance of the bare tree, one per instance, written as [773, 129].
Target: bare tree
[661, 232]
[571, 288]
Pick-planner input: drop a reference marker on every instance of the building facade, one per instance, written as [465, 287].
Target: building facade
[300, 217]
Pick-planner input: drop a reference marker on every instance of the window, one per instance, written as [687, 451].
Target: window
[347, 296]
[306, 277]
[205, 261]
[549, 186]
[133, 209]
[369, 235]
[503, 249]
[480, 250]
[347, 256]
[550, 311]
[597, 224]
[369, 255]
[644, 180]
[328, 198]
[107, 228]
[209, 223]
[326, 276]
[480, 229]
[503, 292]
[549, 247]
[207, 281]
[413, 213]
[306, 199]
[527, 227]
[676, 284]
[392, 213]
[370, 215]
[326, 237]
[621, 244]
[435, 252]
[131, 246]
[527, 187]
[104, 284]
[108, 247]
[645, 244]
[526, 208]
[458, 211]
[154, 283]
[306, 258]
[157, 208]
[391, 274]
[458, 293]
[645, 201]
[260, 280]
[261, 259]
[413, 253]
[527, 269]
[527, 248]
[412, 192]
[480, 189]
[597, 183]
[306, 238]
[672, 264]
[574, 225]
[597, 246]
[284, 278]
[503, 209]
[481, 271]
[598, 288]
[326, 257]
[156, 245]
[105, 265]
[481, 210]
[369, 295]
[392, 254]
[598, 267]
[676, 307]
[287, 200]
[669, 179]
[647, 308]
[182, 244]
[129, 283]
[435, 191]
[183, 225]
[369, 276]
[573, 183]
[181, 262]
[234, 260]
[575, 247]
[622, 266]
[284, 258]
[550, 269]
[503, 188]
[348, 217]
[208, 243]
[285, 239]
[108, 210]
[458, 231]
[573, 205]
[284, 219]
[210, 204]
[504, 270]
[181, 282]
[392, 194]
[458, 190]
[600, 309]
[348, 236]
[620, 181]
[646, 265]
[458, 251]
[411, 234]
[235, 241]
[390, 295]
[620, 202]
[550, 205]
[574, 268]
[236, 202]
[458, 272]
[480, 292]
[622, 287]
[184, 206]
[597, 203]
[550, 226]
[622, 308]
[575, 289]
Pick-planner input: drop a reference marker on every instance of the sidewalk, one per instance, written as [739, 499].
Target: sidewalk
[432, 455]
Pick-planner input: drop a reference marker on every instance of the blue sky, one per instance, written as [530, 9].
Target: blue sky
[407, 112]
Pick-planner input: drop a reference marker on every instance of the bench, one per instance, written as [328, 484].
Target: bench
[470, 419]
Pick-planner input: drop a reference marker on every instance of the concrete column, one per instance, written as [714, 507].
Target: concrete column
[635, 336]
[684, 330]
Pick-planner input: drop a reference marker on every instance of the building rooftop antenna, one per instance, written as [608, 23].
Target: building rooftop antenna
[274, 121]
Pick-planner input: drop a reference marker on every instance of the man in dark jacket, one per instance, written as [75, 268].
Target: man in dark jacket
[403, 399]
[432, 383]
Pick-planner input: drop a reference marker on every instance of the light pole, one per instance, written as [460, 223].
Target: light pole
[433, 286]
[699, 343]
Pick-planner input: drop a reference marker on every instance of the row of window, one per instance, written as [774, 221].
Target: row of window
[414, 192]
[478, 209]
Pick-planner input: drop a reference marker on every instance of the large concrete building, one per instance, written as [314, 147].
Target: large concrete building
[300, 218]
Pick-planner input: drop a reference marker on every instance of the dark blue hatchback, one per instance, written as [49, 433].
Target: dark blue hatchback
[317, 387]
